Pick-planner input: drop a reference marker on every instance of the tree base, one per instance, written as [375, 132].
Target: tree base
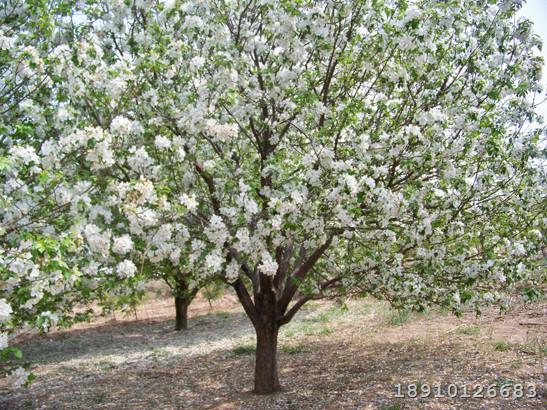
[266, 391]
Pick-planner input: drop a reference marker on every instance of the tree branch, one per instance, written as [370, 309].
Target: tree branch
[300, 273]
[245, 299]
[287, 317]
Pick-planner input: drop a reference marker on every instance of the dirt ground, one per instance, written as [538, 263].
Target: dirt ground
[330, 358]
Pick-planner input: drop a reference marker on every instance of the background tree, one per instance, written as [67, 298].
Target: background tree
[135, 225]
[37, 287]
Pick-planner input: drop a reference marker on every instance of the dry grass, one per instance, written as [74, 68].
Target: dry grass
[329, 359]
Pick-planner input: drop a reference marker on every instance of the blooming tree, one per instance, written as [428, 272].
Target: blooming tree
[308, 149]
[36, 285]
[43, 197]
[321, 148]
[135, 225]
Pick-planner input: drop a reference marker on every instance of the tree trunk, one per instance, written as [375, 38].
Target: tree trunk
[181, 308]
[266, 378]
[267, 329]
[264, 316]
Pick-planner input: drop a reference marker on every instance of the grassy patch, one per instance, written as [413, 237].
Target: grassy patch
[322, 330]
[500, 382]
[294, 349]
[324, 316]
[290, 332]
[398, 317]
[502, 346]
[308, 329]
[318, 319]
[100, 398]
[27, 404]
[320, 323]
[469, 330]
[243, 350]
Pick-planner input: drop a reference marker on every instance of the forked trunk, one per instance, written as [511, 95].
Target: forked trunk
[266, 378]
[268, 311]
[181, 308]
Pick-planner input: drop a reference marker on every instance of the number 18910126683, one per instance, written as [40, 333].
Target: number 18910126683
[477, 391]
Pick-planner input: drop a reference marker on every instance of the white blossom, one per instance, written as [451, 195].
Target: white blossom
[122, 245]
[5, 310]
[214, 261]
[3, 340]
[189, 201]
[126, 269]
[268, 266]
[162, 142]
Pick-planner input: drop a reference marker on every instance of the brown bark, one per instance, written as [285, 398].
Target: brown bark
[267, 329]
[266, 377]
[181, 309]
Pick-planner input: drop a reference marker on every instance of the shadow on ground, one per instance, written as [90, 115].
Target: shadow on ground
[127, 340]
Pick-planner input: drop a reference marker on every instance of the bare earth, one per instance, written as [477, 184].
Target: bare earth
[330, 358]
